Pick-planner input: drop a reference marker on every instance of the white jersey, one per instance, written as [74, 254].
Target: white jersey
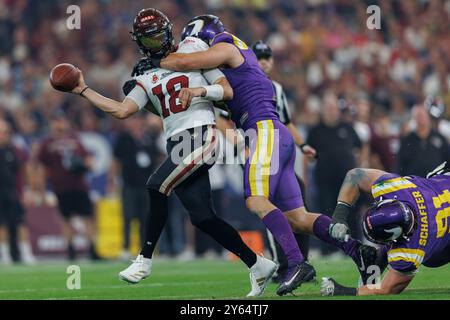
[161, 87]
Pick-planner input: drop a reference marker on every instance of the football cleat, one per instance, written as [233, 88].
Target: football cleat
[260, 274]
[137, 271]
[295, 276]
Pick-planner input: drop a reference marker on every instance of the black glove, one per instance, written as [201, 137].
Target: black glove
[144, 65]
[129, 86]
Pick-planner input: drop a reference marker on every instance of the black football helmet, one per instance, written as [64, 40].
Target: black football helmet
[152, 31]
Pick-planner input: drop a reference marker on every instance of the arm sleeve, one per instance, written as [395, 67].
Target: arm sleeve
[213, 75]
[285, 108]
[139, 95]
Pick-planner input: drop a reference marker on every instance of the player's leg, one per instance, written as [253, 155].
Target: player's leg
[65, 209]
[302, 241]
[271, 152]
[82, 206]
[154, 223]
[5, 255]
[195, 194]
[173, 171]
[26, 254]
[127, 209]
[260, 176]
[318, 225]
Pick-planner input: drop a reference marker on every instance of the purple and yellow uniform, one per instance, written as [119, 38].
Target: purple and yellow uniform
[429, 199]
[269, 171]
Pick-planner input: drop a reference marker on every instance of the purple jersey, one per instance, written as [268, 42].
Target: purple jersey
[430, 200]
[254, 96]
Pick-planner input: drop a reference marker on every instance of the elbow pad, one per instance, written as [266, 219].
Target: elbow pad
[214, 92]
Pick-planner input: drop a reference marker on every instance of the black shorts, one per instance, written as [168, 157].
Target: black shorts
[74, 203]
[11, 210]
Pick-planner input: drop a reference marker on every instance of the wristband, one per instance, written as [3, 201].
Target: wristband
[344, 291]
[302, 146]
[82, 91]
[214, 92]
[341, 212]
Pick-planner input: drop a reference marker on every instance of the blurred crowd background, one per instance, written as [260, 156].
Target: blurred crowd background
[390, 85]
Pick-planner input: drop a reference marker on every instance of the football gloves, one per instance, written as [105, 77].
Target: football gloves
[442, 169]
[339, 229]
[144, 65]
[128, 86]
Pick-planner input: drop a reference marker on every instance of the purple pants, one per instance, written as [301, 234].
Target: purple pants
[269, 171]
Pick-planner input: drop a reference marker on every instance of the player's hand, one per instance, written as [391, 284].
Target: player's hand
[309, 151]
[143, 65]
[187, 94]
[128, 86]
[81, 84]
[330, 287]
[339, 231]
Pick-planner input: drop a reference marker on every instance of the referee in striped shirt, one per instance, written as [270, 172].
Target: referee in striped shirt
[264, 54]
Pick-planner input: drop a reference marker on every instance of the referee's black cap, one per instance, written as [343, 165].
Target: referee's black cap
[262, 50]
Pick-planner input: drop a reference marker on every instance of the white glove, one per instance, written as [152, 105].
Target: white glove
[327, 287]
[339, 231]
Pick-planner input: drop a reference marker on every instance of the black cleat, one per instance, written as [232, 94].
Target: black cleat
[369, 256]
[295, 276]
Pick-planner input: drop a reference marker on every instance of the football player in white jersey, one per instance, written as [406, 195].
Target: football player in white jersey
[184, 102]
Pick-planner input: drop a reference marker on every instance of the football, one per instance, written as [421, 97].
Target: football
[64, 77]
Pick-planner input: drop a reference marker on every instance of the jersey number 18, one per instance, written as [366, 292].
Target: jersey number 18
[172, 90]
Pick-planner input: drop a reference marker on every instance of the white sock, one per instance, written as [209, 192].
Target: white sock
[5, 256]
[26, 252]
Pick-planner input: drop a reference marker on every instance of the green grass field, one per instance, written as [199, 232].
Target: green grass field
[188, 280]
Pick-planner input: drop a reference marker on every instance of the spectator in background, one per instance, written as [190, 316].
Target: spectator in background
[383, 145]
[423, 149]
[136, 157]
[335, 142]
[11, 210]
[66, 162]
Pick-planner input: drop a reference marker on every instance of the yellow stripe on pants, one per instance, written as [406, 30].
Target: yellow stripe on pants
[261, 159]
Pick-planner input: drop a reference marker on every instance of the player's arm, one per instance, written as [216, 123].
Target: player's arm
[394, 282]
[356, 181]
[218, 55]
[220, 91]
[120, 110]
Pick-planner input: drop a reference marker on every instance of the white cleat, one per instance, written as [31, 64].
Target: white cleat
[260, 274]
[137, 271]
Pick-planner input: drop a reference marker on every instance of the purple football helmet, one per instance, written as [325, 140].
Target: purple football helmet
[387, 221]
[204, 27]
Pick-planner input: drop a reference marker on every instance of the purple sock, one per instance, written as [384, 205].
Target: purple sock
[279, 226]
[320, 229]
